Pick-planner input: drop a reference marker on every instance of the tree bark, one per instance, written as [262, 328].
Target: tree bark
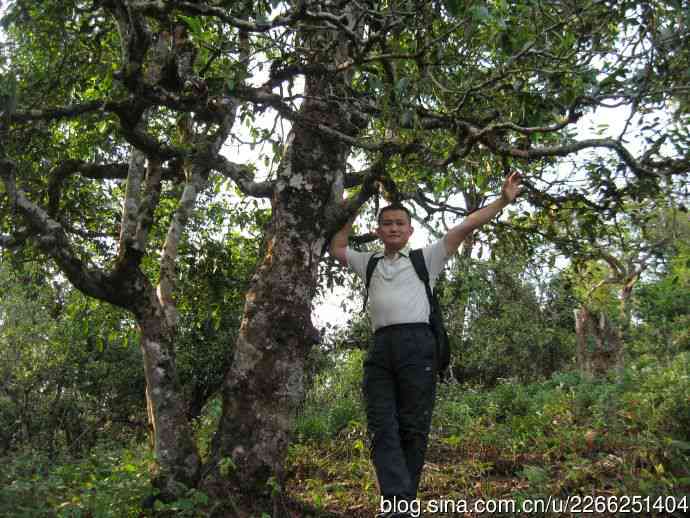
[599, 345]
[178, 461]
[265, 384]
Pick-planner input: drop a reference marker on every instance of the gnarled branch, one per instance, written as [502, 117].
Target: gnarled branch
[52, 239]
[243, 177]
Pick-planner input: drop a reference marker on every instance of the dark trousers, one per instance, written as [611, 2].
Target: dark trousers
[399, 390]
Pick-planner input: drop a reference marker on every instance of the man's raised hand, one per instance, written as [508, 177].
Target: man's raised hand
[511, 187]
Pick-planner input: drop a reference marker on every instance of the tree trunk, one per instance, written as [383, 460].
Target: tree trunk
[178, 460]
[265, 384]
[600, 342]
[626, 309]
[599, 346]
[582, 337]
[473, 201]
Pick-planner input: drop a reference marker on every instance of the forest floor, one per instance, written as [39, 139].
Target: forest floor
[339, 481]
[614, 446]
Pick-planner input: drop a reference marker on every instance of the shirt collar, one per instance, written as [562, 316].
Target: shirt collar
[405, 252]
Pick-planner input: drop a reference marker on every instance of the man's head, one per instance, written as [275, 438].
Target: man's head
[395, 227]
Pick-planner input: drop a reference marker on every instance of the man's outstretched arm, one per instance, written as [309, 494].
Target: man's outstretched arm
[457, 234]
[338, 245]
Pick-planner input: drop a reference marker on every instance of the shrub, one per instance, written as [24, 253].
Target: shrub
[334, 400]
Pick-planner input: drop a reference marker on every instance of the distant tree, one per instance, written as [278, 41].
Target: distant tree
[66, 364]
[661, 300]
[513, 331]
[609, 270]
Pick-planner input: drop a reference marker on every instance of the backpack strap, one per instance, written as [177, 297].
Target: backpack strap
[371, 266]
[435, 319]
[417, 258]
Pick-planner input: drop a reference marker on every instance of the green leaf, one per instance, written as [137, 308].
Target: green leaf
[194, 24]
[401, 86]
[185, 504]
[375, 82]
[681, 445]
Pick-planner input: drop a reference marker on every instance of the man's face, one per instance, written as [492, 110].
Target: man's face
[394, 229]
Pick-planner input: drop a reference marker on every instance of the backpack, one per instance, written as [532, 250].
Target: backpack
[435, 317]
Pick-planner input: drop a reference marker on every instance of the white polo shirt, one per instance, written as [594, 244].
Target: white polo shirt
[396, 295]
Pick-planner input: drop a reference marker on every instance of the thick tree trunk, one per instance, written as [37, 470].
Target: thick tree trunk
[265, 384]
[178, 460]
[601, 342]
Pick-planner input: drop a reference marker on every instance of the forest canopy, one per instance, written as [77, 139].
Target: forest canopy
[118, 121]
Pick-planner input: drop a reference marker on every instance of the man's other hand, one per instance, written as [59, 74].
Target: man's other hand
[511, 187]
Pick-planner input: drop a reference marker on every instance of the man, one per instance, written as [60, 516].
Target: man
[400, 368]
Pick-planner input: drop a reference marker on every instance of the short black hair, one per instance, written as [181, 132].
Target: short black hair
[396, 206]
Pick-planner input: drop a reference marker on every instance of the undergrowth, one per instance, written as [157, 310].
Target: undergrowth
[110, 481]
[624, 434]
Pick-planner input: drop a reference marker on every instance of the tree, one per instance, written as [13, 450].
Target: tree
[609, 270]
[115, 113]
[68, 367]
[662, 300]
[514, 327]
